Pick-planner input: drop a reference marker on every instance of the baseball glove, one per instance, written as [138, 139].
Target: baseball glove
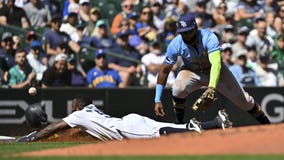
[205, 100]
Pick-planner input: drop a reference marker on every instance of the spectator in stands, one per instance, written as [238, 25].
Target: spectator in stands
[7, 51]
[176, 8]
[266, 75]
[207, 19]
[278, 25]
[30, 36]
[101, 76]
[103, 36]
[269, 19]
[37, 60]
[77, 73]
[12, 15]
[169, 32]
[57, 75]
[228, 35]
[139, 44]
[252, 57]
[280, 12]
[258, 38]
[145, 26]
[192, 5]
[2, 3]
[133, 18]
[159, 16]
[269, 6]
[73, 6]
[219, 14]
[16, 42]
[125, 27]
[69, 27]
[84, 40]
[128, 70]
[61, 48]
[278, 49]
[37, 13]
[21, 3]
[127, 9]
[280, 2]
[84, 11]
[226, 53]
[244, 75]
[95, 15]
[240, 45]
[278, 56]
[54, 6]
[246, 11]
[21, 75]
[3, 72]
[53, 37]
[153, 62]
[66, 4]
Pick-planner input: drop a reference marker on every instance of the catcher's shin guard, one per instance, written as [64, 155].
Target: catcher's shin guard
[258, 114]
[179, 105]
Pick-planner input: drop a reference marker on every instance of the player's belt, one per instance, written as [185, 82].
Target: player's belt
[196, 69]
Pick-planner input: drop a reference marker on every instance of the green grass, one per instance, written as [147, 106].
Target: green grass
[227, 157]
[10, 148]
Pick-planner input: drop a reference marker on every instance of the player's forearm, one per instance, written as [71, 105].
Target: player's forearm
[52, 129]
[244, 14]
[74, 46]
[163, 74]
[161, 81]
[215, 60]
[51, 51]
[21, 85]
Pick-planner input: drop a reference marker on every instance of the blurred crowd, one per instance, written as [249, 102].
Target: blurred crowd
[250, 33]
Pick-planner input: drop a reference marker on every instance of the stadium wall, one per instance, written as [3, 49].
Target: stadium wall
[119, 102]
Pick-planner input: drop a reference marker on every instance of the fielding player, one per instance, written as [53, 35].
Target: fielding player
[200, 51]
[104, 127]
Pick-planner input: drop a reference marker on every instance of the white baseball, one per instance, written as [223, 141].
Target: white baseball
[32, 91]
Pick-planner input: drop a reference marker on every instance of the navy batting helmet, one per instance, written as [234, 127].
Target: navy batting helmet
[35, 116]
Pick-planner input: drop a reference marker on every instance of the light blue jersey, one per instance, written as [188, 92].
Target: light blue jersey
[193, 57]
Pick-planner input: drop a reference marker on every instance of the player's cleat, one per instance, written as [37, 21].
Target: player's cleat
[223, 120]
[194, 125]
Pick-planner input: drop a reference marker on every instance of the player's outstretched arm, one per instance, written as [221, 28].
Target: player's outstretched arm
[161, 81]
[46, 132]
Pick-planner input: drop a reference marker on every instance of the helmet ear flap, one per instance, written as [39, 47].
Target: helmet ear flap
[43, 114]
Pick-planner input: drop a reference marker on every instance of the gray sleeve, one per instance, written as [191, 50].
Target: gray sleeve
[250, 41]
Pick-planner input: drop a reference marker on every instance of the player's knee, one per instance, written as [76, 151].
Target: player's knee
[179, 90]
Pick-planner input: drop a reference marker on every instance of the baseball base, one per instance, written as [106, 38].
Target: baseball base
[7, 139]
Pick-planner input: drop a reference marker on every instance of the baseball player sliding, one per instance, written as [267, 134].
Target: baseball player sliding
[200, 51]
[104, 127]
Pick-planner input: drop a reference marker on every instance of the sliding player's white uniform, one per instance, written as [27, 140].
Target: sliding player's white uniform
[105, 127]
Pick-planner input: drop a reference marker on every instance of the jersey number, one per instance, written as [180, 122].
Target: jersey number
[91, 109]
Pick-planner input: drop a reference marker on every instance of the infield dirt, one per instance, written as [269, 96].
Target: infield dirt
[266, 139]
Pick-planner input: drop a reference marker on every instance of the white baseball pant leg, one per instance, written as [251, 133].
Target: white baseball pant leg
[137, 126]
